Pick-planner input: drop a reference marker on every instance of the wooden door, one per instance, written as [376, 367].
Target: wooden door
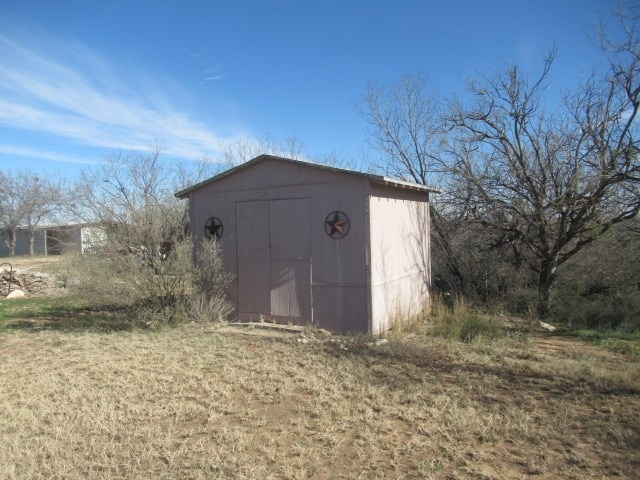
[252, 234]
[274, 260]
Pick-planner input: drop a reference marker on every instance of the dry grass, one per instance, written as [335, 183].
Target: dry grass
[195, 404]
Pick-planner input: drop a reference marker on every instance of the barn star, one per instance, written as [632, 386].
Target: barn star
[213, 228]
[338, 225]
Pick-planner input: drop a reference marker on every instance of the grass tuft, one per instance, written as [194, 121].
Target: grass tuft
[456, 320]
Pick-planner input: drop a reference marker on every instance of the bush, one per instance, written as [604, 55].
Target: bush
[144, 261]
[210, 281]
[114, 277]
[459, 322]
[165, 291]
[207, 309]
[600, 287]
[579, 305]
[521, 302]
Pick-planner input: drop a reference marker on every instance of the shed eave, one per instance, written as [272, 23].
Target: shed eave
[182, 194]
[392, 182]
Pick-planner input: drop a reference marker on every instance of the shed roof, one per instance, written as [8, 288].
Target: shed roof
[373, 178]
[70, 224]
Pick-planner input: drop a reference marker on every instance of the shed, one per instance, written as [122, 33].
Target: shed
[312, 244]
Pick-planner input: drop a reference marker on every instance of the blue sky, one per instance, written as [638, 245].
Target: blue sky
[80, 79]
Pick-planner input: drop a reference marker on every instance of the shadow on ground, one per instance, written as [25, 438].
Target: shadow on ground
[511, 377]
[47, 314]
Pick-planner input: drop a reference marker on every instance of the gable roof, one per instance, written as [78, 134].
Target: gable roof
[373, 178]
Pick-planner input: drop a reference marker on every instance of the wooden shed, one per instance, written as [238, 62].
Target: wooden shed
[311, 244]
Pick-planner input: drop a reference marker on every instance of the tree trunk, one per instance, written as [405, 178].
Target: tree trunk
[13, 239]
[32, 238]
[545, 284]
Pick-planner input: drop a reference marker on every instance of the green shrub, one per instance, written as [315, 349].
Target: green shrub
[579, 305]
[624, 347]
[459, 322]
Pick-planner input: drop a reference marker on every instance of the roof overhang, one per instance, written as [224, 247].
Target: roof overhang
[373, 178]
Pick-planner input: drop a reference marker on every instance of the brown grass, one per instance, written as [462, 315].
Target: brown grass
[199, 404]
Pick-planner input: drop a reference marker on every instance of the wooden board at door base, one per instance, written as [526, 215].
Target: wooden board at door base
[253, 317]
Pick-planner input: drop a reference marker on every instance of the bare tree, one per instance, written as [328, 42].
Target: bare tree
[12, 211]
[542, 184]
[131, 195]
[145, 257]
[407, 128]
[26, 199]
[42, 199]
[548, 184]
[242, 150]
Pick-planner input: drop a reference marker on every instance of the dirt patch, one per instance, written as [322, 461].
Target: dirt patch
[27, 264]
[262, 329]
[16, 345]
[554, 346]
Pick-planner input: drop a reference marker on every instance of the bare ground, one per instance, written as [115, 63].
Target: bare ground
[194, 404]
[28, 264]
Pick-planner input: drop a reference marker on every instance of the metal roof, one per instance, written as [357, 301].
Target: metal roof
[44, 226]
[373, 178]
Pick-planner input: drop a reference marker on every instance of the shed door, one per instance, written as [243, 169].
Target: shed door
[274, 260]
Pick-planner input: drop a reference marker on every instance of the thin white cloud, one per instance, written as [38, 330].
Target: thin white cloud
[20, 151]
[214, 78]
[64, 89]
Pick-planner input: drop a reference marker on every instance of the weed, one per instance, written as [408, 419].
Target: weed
[204, 309]
[622, 346]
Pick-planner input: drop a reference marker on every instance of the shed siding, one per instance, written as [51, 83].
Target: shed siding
[253, 258]
[204, 204]
[273, 173]
[400, 262]
[274, 211]
[341, 308]
[339, 281]
[22, 243]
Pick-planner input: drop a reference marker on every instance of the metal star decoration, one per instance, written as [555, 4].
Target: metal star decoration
[213, 228]
[336, 225]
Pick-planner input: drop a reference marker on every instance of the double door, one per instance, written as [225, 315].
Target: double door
[274, 260]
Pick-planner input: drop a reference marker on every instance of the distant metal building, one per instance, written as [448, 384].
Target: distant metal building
[311, 244]
[57, 239]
